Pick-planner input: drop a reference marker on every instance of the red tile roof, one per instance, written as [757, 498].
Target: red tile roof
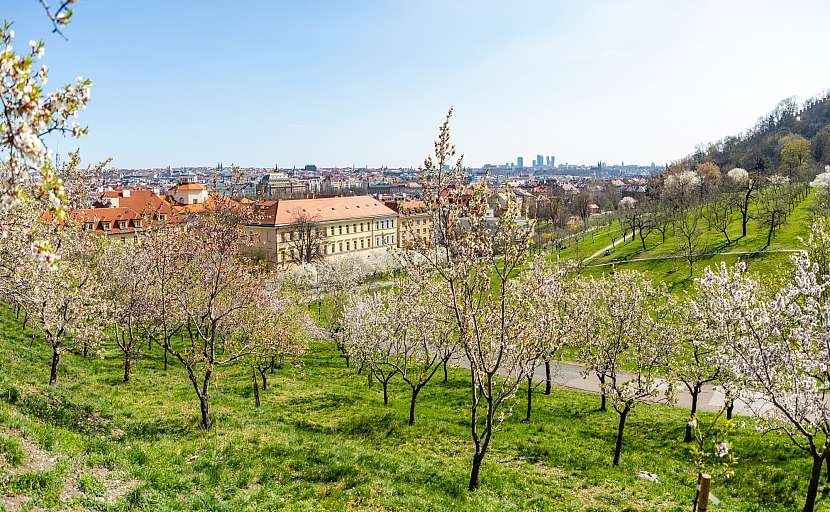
[319, 210]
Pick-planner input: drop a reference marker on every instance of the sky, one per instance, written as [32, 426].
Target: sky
[341, 83]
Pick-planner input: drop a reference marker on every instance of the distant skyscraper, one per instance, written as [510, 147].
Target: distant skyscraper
[552, 161]
[520, 162]
[540, 160]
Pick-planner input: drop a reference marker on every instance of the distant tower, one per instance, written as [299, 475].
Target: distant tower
[552, 161]
[520, 162]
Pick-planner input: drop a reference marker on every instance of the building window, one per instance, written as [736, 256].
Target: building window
[340, 246]
[361, 242]
[348, 243]
[378, 241]
[339, 230]
[122, 225]
[347, 229]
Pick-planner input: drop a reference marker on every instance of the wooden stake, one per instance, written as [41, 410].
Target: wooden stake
[703, 496]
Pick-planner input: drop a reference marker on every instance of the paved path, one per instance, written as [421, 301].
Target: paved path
[606, 248]
[712, 398]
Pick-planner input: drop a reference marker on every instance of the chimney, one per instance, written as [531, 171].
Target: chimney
[125, 192]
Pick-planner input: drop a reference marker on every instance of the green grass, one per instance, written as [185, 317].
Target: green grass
[669, 265]
[323, 441]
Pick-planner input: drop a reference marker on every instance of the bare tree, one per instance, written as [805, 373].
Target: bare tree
[774, 205]
[306, 239]
[688, 227]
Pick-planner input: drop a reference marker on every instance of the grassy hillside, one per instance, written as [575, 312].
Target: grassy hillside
[323, 441]
[663, 260]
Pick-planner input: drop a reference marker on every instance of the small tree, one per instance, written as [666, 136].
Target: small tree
[774, 205]
[123, 272]
[694, 361]
[688, 226]
[370, 333]
[627, 325]
[744, 186]
[62, 300]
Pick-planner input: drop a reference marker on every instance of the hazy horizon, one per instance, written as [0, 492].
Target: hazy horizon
[369, 83]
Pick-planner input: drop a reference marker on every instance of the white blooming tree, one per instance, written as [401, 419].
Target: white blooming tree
[695, 361]
[370, 329]
[822, 185]
[30, 114]
[478, 259]
[407, 332]
[122, 270]
[547, 293]
[744, 187]
[777, 348]
[63, 299]
[622, 337]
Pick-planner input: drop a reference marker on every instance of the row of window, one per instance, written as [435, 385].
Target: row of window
[353, 245]
[107, 226]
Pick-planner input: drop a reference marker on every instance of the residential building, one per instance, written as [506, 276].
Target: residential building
[414, 222]
[124, 213]
[355, 225]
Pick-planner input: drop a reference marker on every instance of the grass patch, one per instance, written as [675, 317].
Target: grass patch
[323, 440]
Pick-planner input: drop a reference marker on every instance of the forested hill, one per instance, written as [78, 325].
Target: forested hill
[792, 135]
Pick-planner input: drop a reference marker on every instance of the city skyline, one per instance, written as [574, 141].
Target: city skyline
[184, 84]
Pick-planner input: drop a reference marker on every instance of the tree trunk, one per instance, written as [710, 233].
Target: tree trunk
[688, 437]
[729, 407]
[548, 380]
[166, 353]
[127, 366]
[256, 386]
[204, 407]
[56, 359]
[529, 397]
[618, 448]
[602, 406]
[445, 370]
[86, 350]
[262, 372]
[415, 392]
[474, 483]
[385, 392]
[812, 488]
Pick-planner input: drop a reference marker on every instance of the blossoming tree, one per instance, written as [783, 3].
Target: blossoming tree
[777, 348]
[478, 258]
[622, 338]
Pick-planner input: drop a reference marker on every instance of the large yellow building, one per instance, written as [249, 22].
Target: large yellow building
[414, 222]
[284, 231]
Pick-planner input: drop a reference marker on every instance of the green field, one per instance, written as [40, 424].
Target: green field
[322, 440]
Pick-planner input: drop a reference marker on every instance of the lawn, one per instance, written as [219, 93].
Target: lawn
[323, 440]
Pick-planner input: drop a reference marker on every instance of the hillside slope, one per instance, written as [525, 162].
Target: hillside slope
[323, 441]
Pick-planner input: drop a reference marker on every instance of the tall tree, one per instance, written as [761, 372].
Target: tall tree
[478, 259]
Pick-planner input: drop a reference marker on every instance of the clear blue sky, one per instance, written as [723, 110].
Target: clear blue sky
[340, 83]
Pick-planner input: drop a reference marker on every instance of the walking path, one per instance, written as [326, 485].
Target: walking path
[606, 248]
[680, 256]
[712, 398]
